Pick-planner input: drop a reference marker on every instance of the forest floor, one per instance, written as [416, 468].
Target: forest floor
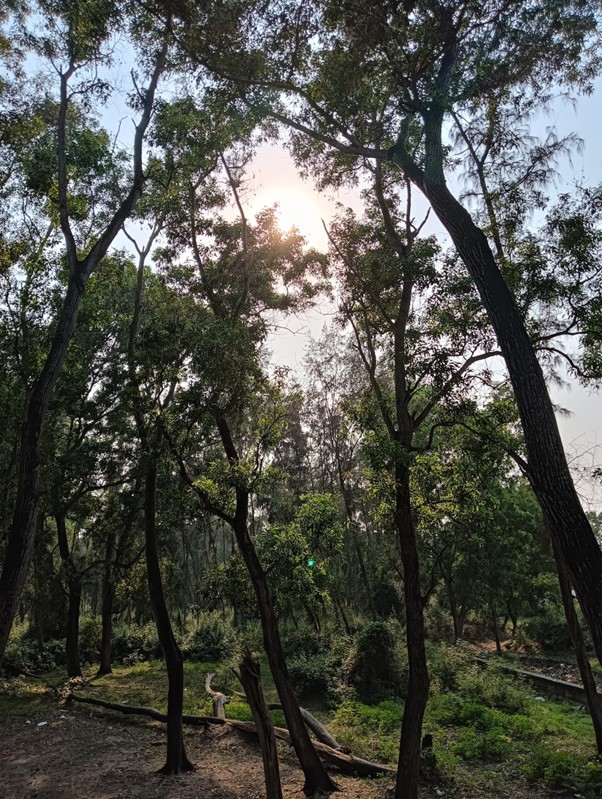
[53, 751]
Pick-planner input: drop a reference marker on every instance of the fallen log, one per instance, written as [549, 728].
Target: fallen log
[333, 757]
[150, 712]
[318, 729]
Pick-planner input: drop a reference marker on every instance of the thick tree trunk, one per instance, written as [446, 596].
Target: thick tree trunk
[21, 535]
[594, 699]
[408, 767]
[177, 761]
[548, 469]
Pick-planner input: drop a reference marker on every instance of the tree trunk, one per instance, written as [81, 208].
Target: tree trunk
[408, 767]
[251, 682]
[594, 700]
[548, 469]
[177, 761]
[75, 595]
[317, 781]
[21, 535]
[496, 629]
[106, 641]
[72, 639]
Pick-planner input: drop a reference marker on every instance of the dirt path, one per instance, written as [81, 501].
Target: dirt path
[91, 755]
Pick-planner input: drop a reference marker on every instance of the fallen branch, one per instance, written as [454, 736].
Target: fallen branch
[150, 712]
[344, 762]
[318, 729]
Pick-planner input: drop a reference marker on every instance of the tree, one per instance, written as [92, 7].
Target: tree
[380, 83]
[76, 49]
[399, 303]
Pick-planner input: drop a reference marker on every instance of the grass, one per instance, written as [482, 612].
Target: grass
[485, 727]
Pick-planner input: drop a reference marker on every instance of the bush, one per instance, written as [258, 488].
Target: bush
[491, 687]
[446, 662]
[132, 644]
[90, 635]
[549, 629]
[375, 668]
[310, 674]
[210, 641]
[369, 731]
[24, 654]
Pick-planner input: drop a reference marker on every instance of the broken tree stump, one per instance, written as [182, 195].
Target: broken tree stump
[218, 700]
[250, 677]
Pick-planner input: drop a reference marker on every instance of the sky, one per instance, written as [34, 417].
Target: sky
[274, 179]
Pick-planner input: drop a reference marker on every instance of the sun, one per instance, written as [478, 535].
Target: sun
[297, 209]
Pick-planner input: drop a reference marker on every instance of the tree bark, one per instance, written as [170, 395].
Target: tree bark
[408, 766]
[251, 682]
[177, 761]
[594, 700]
[548, 469]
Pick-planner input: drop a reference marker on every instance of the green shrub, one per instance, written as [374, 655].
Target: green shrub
[549, 629]
[90, 635]
[25, 654]
[446, 662]
[133, 644]
[368, 730]
[309, 673]
[375, 668]
[556, 769]
[210, 641]
[493, 688]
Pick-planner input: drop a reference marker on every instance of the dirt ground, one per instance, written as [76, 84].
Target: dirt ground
[54, 752]
[78, 754]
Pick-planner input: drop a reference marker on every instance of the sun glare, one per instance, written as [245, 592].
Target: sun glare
[300, 210]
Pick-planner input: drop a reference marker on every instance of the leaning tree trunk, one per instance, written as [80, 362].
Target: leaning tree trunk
[594, 699]
[408, 766]
[317, 781]
[548, 469]
[21, 535]
[177, 761]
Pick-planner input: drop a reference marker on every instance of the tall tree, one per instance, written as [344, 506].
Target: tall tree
[381, 82]
[74, 36]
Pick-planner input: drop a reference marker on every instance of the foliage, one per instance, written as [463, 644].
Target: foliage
[375, 668]
[133, 644]
[210, 639]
